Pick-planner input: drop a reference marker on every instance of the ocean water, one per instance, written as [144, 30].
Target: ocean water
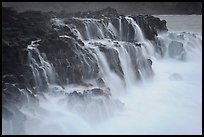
[169, 103]
[186, 23]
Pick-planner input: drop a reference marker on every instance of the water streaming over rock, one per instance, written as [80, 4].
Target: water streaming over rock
[42, 70]
[91, 66]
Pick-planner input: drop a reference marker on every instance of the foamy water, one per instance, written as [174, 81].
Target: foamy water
[162, 106]
[168, 103]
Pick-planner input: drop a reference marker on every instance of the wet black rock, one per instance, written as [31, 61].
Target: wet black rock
[176, 50]
[104, 92]
[57, 91]
[9, 79]
[63, 49]
[113, 60]
[100, 82]
[98, 92]
[149, 62]
[150, 25]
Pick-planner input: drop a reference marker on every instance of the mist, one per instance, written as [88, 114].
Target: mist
[102, 74]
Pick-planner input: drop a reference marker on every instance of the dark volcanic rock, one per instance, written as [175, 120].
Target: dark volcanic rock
[100, 82]
[176, 50]
[9, 79]
[149, 61]
[89, 95]
[113, 60]
[68, 57]
[19, 29]
[150, 25]
[66, 53]
[98, 92]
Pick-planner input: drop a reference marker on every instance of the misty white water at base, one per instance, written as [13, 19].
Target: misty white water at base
[167, 104]
[170, 102]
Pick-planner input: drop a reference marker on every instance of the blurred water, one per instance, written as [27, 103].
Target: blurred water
[170, 103]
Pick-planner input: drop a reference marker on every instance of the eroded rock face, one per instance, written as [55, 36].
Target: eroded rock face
[58, 46]
[176, 50]
[59, 49]
[105, 92]
[113, 60]
[151, 25]
[91, 103]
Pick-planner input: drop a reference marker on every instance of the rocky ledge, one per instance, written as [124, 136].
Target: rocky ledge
[66, 54]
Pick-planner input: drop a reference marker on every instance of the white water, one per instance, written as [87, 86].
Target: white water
[162, 106]
[159, 106]
[170, 103]
[48, 72]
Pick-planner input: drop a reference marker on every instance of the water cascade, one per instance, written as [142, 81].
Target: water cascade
[103, 75]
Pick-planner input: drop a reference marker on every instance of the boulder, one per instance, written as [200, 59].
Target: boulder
[113, 60]
[100, 82]
[176, 50]
[150, 25]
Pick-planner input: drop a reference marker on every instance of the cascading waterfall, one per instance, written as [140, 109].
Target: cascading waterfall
[144, 52]
[42, 69]
[124, 58]
[181, 45]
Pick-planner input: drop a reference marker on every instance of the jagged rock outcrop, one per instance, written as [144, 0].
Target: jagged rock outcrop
[176, 50]
[59, 48]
